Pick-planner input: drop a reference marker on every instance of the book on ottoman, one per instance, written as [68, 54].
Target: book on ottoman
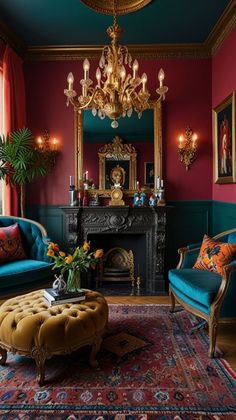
[55, 298]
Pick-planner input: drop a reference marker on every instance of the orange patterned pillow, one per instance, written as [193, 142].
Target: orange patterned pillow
[214, 255]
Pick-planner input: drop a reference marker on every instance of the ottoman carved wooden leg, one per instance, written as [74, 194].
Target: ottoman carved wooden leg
[40, 358]
[94, 351]
[30, 327]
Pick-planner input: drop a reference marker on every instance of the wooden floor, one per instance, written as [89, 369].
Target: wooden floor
[226, 337]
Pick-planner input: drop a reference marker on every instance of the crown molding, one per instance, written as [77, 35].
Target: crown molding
[222, 28]
[145, 51]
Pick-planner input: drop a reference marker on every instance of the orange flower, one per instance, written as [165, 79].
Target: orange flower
[98, 253]
[53, 246]
[50, 253]
[69, 259]
[86, 246]
[62, 254]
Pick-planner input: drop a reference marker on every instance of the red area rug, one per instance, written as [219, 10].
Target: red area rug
[150, 368]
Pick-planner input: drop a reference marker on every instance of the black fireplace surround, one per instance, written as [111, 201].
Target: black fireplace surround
[142, 229]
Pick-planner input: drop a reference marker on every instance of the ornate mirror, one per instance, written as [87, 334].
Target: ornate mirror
[131, 174]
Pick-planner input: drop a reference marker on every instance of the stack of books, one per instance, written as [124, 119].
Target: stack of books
[54, 298]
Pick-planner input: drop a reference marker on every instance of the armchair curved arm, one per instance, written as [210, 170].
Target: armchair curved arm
[188, 255]
[229, 273]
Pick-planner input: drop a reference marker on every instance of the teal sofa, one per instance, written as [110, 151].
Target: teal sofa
[36, 269]
[204, 293]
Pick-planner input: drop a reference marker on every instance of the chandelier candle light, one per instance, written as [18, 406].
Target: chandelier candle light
[116, 93]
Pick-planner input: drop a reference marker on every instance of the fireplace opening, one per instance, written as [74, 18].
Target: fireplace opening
[134, 242]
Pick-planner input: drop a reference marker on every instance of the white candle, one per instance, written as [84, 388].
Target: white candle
[161, 76]
[137, 184]
[71, 180]
[70, 80]
[144, 81]
[86, 66]
[135, 68]
[86, 175]
[162, 183]
[158, 182]
[98, 75]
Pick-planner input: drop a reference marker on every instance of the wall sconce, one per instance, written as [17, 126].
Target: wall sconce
[187, 147]
[45, 143]
[48, 147]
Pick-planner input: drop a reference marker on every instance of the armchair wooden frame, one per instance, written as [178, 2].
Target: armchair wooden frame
[213, 319]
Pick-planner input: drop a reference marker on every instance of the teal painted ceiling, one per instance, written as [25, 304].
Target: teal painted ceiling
[70, 22]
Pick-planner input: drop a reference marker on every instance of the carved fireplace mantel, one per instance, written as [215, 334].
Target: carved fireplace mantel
[82, 223]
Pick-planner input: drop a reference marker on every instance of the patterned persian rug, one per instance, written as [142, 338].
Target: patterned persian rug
[150, 367]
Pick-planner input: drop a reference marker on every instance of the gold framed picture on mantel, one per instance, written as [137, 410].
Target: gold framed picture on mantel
[224, 141]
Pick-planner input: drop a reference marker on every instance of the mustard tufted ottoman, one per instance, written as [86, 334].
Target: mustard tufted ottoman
[30, 327]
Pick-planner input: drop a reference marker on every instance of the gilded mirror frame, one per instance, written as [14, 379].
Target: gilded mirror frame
[79, 147]
[119, 153]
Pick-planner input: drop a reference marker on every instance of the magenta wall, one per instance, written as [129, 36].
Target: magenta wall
[188, 102]
[223, 84]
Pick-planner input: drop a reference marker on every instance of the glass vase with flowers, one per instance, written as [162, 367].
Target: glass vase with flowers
[74, 263]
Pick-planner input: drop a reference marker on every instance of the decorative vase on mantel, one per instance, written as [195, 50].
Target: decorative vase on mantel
[74, 281]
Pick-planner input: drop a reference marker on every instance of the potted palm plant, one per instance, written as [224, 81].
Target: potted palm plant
[21, 162]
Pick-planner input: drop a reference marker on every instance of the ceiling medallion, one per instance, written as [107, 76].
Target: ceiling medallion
[124, 7]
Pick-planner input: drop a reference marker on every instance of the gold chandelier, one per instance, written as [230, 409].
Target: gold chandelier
[117, 93]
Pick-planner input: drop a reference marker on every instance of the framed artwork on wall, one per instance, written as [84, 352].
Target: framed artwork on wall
[149, 174]
[224, 141]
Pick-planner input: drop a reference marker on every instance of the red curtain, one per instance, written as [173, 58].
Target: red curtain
[14, 114]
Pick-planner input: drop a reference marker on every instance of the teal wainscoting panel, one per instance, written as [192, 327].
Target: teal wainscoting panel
[223, 216]
[188, 221]
[52, 218]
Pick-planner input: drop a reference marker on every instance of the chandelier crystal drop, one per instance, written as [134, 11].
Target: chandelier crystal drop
[117, 92]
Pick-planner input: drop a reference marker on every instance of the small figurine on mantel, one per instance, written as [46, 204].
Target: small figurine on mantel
[94, 200]
[160, 192]
[142, 198]
[152, 200]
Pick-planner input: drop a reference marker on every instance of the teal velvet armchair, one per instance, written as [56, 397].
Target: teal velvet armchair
[34, 270]
[207, 294]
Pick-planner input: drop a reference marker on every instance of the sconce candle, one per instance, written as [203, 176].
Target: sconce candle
[40, 142]
[54, 144]
[187, 147]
